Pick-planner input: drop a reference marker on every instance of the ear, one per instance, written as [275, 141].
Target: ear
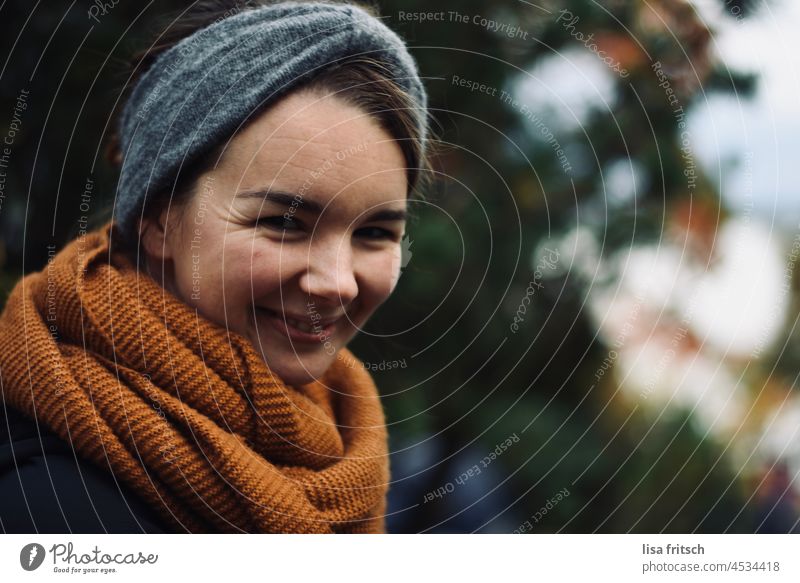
[154, 237]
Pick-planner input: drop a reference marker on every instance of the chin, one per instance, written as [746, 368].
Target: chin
[301, 373]
[298, 379]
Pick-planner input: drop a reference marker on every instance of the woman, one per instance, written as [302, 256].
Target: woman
[186, 364]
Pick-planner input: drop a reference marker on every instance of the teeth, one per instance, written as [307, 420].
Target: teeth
[298, 324]
[302, 326]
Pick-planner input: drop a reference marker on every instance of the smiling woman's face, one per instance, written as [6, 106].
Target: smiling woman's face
[293, 240]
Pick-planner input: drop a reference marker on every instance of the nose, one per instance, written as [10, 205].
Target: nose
[330, 274]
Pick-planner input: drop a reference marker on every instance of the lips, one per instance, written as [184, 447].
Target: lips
[299, 328]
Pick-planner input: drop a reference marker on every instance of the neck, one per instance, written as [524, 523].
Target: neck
[161, 271]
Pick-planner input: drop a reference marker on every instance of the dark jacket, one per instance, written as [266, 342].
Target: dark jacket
[46, 488]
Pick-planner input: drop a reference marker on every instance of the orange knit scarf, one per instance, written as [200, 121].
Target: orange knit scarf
[185, 412]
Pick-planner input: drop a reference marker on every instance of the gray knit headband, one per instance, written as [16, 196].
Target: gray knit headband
[197, 93]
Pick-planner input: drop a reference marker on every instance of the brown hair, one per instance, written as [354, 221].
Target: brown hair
[363, 82]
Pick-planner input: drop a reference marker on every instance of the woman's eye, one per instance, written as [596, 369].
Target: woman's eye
[280, 223]
[375, 233]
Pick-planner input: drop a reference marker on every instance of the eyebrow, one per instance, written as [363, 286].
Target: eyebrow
[290, 200]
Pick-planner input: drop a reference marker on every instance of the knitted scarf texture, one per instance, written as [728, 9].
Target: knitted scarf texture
[184, 412]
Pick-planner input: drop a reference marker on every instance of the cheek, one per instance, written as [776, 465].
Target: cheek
[179, 247]
[199, 276]
[267, 264]
[210, 261]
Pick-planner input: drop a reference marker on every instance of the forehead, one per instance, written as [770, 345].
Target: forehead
[321, 145]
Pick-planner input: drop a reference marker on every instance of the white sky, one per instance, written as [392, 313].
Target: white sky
[726, 131]
[765, 129]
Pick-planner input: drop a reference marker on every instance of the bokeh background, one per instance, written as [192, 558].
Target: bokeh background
[596, 325]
